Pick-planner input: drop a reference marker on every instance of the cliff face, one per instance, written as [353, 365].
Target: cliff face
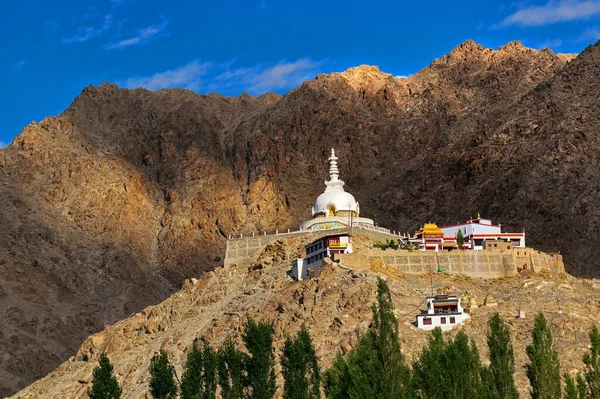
[108, 206]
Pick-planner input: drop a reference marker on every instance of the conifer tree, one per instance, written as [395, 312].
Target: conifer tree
[258, 339]
[582, 386]
[337, 379]
[300, 368]
[502, 361]
[162, 382]
[231, 371]
[199, 379]
[394, 375]
[460, 239]
[450, 369]
[544, 370]
[592, 365]
[375, 368]
[570, 388]
[104, 383]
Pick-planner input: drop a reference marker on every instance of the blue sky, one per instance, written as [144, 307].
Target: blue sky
[51, 50]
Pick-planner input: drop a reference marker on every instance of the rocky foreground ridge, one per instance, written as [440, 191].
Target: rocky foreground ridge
[109, 206]
[335, 306]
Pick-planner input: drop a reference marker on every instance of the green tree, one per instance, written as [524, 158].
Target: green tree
[394, 374]
[502, 360]
[375, 368]
[337, 379]
[162, 382]
[104, 383]
[258, 338]
[450, 369]
[570, 388]
[592, 366]
[199, 380]
[460, 239]
[300, 368]
[231, 371]
[582, 386]
[544, 370]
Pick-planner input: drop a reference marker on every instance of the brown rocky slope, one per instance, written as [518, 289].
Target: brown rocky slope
[335, 306]
[108, 206]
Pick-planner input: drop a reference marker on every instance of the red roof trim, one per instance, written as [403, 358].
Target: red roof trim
[500, 234]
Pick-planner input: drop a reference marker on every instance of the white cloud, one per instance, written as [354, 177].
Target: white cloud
[3, 144]
[553, 12]
[551, 43]
[19, 65]
[84, 33]
[263, 78]
[143, 35]
[215, 77]
[188, 76]
[589, 35]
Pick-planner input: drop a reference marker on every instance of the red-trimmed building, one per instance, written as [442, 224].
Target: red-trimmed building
[476, 232]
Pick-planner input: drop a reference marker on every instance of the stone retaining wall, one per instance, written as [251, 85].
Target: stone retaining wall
[502, 261]
[245, 251]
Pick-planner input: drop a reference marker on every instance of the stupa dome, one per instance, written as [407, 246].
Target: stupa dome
[335, 201]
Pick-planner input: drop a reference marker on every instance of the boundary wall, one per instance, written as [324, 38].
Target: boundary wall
[246, 250]
[499, 259]
[495, 262]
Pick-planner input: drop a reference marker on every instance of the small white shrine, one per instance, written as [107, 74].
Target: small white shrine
[443, 311]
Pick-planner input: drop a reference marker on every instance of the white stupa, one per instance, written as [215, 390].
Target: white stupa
[335, 208]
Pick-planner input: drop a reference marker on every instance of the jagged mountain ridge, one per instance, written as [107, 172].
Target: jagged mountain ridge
[136, 190]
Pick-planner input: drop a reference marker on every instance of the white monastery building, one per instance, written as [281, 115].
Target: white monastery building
[477, 231]
[443, 311]
[318, 250]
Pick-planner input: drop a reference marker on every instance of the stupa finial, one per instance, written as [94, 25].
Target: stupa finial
[334, 173]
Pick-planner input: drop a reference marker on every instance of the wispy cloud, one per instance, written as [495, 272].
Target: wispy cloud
[591, 34]
[85, 32]
[221, 77]
[3, 144]
[19, 65]
[551, 43]
[189, 76]
[552, 12]
[263, 77]
[50, 27]
[142, 36]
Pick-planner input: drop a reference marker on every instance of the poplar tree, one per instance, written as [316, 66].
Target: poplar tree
[502, 360]
[592, 366]
[375, 368]
[460, 239]
[571, 391]
[199, 379]
[162, 382]
[582, 386]
[258, 339]
[450, 369]
[104, 383]
[300, 368]
[544, 370]
[394, 375]
[231, 371]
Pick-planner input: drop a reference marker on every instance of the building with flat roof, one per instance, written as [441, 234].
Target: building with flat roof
[444, 311]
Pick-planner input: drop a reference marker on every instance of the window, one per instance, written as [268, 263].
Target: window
[452, 320]
[442, 320]
[427, 321]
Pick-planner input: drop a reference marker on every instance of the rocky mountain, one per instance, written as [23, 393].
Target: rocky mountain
[109, 206]
[334, 305]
